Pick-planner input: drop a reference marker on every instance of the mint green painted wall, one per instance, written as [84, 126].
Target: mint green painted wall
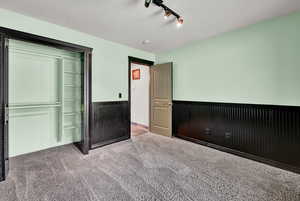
[110, 60]
[257, 64]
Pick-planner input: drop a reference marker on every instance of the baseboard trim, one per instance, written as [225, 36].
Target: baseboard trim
[102, 144]
[141, 125]
[242, 154]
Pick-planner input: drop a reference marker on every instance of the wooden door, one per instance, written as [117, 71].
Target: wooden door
[161, 99]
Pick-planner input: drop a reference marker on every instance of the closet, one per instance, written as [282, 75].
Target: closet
[45, 97]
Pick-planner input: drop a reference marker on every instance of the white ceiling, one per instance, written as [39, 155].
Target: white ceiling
[129, 22]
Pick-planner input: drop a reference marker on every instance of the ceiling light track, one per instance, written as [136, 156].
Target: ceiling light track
[167, 10]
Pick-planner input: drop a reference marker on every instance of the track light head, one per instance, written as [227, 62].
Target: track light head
[179, 22]
[168, 11]
[147, 3]
[167, 14]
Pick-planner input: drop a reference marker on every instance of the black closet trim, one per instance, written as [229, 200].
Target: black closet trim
[19, 35]
[3, 100]
[7, 33]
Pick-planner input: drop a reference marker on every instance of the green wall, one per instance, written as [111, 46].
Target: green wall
[110, 60]
[257, 64]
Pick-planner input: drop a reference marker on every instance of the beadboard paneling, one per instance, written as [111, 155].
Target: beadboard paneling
[110, 123]
[271, 133]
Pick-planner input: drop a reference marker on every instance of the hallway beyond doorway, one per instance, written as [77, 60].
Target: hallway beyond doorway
[137, 129]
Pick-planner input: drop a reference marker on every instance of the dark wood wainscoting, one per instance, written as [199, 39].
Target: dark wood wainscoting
[109, 123]
[266, 133]
[2, 162]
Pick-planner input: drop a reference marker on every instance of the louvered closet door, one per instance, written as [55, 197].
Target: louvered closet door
[44, 97]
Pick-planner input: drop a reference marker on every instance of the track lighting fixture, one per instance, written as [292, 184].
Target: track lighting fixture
[147, 3]
[179, 22]
[168, 11]
[167, 14]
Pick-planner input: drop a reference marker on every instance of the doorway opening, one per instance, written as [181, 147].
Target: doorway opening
[45, 95]
[139, 95]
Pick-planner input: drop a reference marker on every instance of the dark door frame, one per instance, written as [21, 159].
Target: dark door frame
[6, 34]
[130, 61]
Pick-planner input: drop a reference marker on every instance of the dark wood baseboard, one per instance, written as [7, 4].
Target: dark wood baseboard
[243, 154]
[264, 133]
[101, 144]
